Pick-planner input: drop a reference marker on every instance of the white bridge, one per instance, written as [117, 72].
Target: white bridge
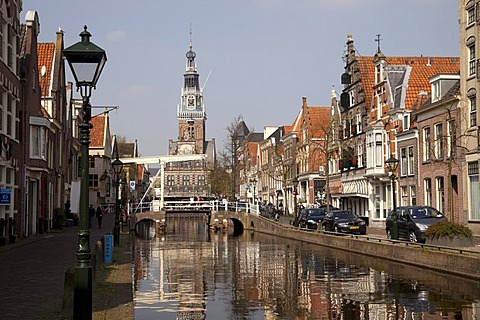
[191, 206]
[162, 160]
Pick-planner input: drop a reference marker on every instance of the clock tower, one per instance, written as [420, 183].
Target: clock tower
[191, 111]
[189, 179]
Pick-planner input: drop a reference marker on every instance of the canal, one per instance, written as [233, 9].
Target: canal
[190, 272]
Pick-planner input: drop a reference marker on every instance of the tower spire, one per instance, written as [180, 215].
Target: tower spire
[191, 43]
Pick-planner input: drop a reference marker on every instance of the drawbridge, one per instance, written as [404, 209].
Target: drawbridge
[162, 160]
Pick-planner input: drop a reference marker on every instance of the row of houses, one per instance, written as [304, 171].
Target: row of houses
[419, 110]
[39, 147]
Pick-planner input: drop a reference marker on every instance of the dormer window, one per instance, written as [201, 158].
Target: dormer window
[436, 94]
[406, 121]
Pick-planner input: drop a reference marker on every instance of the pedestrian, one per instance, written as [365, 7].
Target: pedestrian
[99, 215]
[91, 214]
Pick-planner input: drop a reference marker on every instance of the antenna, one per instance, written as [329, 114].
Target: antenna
[205, 83]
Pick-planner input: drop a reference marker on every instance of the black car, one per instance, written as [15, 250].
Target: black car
[412, 222]
[311, 218]
[344, 221]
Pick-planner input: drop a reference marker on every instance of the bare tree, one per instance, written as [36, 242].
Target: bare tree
[236, 134]
[220, 179]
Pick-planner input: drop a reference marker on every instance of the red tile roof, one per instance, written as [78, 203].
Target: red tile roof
[97, 134]
[422, 69]
[318, 120]
[287, 129]
[46, 53]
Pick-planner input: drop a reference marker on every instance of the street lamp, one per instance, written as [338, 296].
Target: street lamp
[392, 165]
[86, 61]
[117, 166]
[295, 185]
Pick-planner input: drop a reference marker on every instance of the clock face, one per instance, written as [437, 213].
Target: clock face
[191, 102]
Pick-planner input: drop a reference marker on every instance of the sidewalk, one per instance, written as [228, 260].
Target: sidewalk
[33, 275]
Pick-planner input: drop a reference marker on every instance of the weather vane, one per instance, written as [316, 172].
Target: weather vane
[378, 41]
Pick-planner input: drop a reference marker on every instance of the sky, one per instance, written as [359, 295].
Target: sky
[260, 56]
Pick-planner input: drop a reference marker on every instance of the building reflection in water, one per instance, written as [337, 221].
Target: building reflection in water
[188, 272]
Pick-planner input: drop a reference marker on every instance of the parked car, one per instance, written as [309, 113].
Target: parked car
[344, 221]
[311, 218]
[412, 222]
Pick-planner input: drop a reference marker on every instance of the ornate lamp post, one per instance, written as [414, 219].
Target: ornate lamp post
[295, 185]
[117, 166]
[392, 165]
[86, 61]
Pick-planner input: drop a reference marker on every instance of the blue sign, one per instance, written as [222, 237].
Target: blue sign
[5, 196]
[107, 249]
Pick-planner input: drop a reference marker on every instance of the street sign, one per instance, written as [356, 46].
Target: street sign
[5, 196]
[132, 186]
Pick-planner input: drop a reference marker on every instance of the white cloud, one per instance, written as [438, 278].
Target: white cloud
[116, 36]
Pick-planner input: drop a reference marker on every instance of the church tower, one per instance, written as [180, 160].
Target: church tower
[191, 111]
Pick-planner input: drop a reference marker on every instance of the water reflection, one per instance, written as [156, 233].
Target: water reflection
[190, 272]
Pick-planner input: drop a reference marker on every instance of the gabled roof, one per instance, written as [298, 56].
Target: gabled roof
[297, 123]
[318, 118]
[252, 150]
[126, 149]
[242, 130]
[255, 137]
[46, 54]
[287, 129]
[415, 75]
[97, 133]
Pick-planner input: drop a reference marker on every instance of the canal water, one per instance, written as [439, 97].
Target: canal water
[190, 272]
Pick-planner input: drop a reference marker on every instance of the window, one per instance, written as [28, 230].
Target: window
[186, 180]
[38, 142]
[426, 144]
[201, 180]
[378, 150]
[471, 14]
[170, 180]
[93, 180]
[473, 111]
[360, 154]
[359, 123]
[403, 162]
[406, 121]
[452, 139]
[474, 190]
[471, 59]
[411, 161]
[428, 191]
[439, 141]
[91, 162]
[413, 195]
[440, 196]
[404, 199]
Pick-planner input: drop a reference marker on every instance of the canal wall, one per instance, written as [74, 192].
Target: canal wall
[457, 262]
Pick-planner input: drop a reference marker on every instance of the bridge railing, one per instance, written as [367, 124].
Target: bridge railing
[209, 205]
